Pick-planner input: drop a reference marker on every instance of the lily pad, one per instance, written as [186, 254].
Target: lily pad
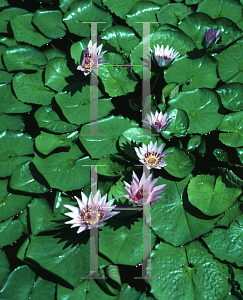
[6, 14]
[4, 266]
[233, 125]
[199, 104]
[11, 122]
[172, 13]
[10, 231]
[231, 96]
[212, 196]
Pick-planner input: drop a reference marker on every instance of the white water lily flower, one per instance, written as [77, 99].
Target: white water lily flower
[164, 56]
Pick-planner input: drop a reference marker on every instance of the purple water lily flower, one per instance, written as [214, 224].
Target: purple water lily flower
[164, 56]
[151, 155]
[210, 35]
[158, 120]
[91, 212]
[143, 190]
[91, 58]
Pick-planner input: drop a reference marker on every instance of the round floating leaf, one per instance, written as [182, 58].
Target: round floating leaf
[225, 244]
[188, 270]
[56, 72]
[4, 266]
[178, 126]
[231, 96]
[109, 167]
[202, 106]
[47, 118]
[5, 77]
[65, 170]
[109, 130]
[49, 22]
[172, 12]
[230, 9]
[70, 261]
[180, 163]
[121, 37]
[6, 14]
[11, 122]
[176, 39]
[212, 196]
[171, 209]
[30, 88]
[52, 53]
[10, 231]
[233, 125]
[43, 289]
[126, 243]
[14, 145]
[143, 12]
[220, 155]
[240, 154]
[230, 214]
[228, 58]
[133, 137]
[85, 11]
[23, 57]
[24, 31]
[116, 79]
[194, 142]
[10, 204]
[8, 102]
[46, 142]
[26, 179]
[191, 2]
[8, 41]
[18, 284]
[76, 108]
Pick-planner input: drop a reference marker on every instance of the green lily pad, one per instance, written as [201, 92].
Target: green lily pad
[52, 53]
[178, 126]
[11, 123]
[26, 179]
[29, 88]
[143, 12]
[14, 148]
[43, 289]
[228, 58]
[240, 154]
[231, 213]
[233, 125]
[231, 96]
[123, 252]
[172, 13]
[212, 196]
[180, 163]
[49, 22]
[85, 11]
[10, 231]
[6, 14]
[5, 77]
[19, 282]
[47, 118]
[226, 244]
[47, 142]
[56, 72]
[121, 37]
[199, 104]
[23, 57]
[221, 155]
[24, 31]
[117, 81]
[65, 170]
[221, 8]
[189, 270]
[176, 39]
[109, 167]
[76, 108]
[194, 142]
[109, 129]
[4, 266]
[11, 204]
[8, 102]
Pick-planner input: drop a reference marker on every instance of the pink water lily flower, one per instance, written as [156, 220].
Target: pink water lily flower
[91, 58]
[143, 191]
[210, 35]
[164, 56]
[158, 120]
[91, 212]
[151, 155]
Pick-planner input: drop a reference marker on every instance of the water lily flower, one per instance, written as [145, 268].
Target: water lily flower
[164, 56]
[91, 212]
[91, 58]
[151, 155]
[143, 190]
[158, 120]
[210, 35]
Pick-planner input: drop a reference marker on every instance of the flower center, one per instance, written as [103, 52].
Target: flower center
[152, 160]
[210, 35]
[88, 62]
[139, 195]
[92, 217]
[165, 57]
[158, 124]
